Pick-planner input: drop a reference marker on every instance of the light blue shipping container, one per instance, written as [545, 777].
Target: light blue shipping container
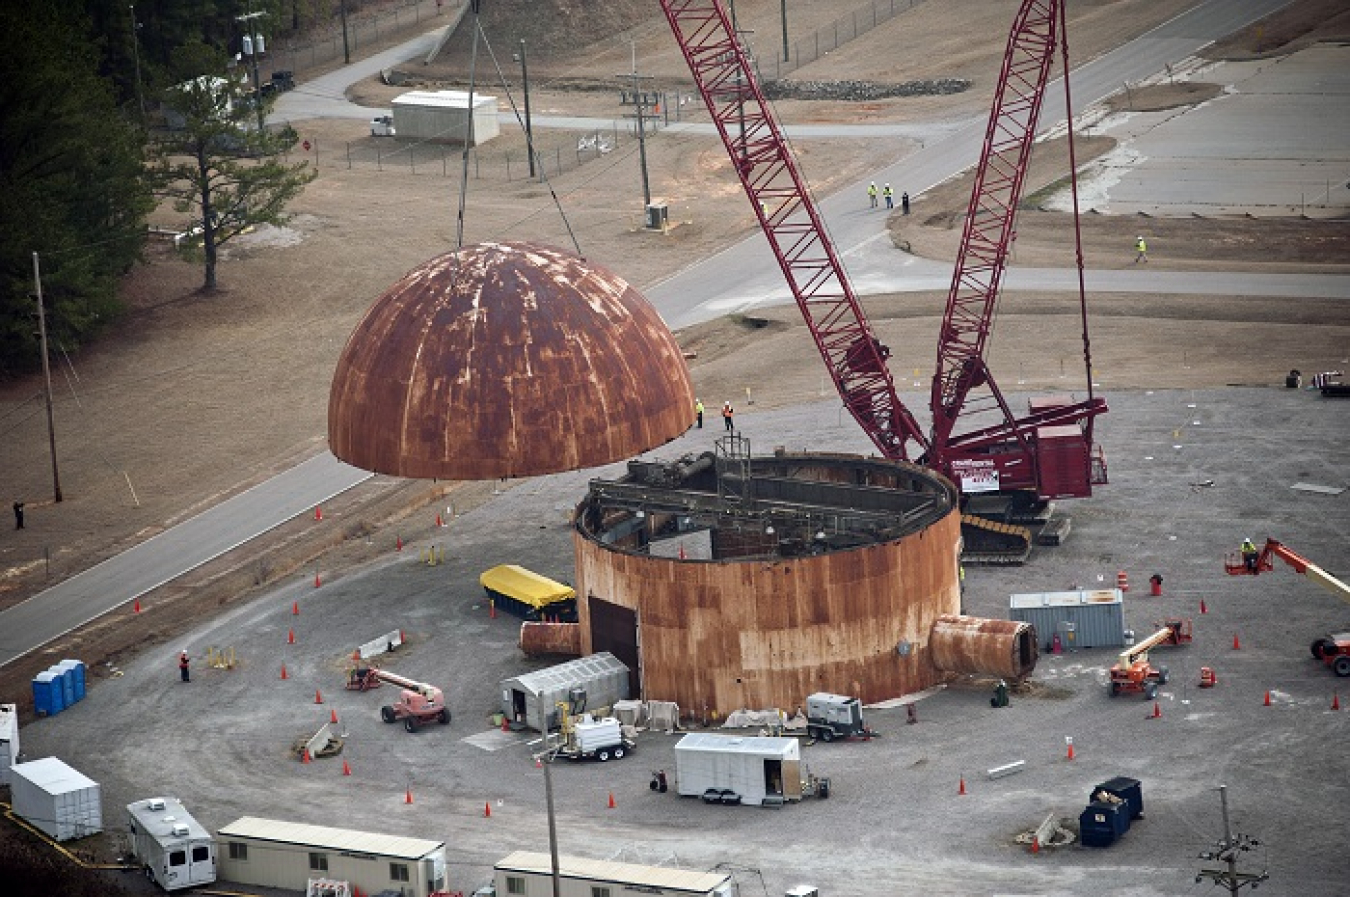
[1085, 618]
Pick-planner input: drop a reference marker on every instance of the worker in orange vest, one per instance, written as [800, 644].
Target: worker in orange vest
[183, 665]
[727, 413]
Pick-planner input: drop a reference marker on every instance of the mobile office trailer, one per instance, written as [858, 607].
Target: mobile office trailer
[279, 854]
[9, 739]
[527, 874]
[175, 850]
[58, 800]
[757, 770]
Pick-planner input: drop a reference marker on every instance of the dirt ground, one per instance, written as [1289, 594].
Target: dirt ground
[193, 398]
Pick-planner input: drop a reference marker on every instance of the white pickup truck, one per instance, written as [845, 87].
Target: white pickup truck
[382, 126]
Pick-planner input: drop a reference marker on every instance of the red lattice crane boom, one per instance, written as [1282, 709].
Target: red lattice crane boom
[855, 357]
[1004, 455]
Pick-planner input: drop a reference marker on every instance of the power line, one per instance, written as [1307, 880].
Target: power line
[1230, 848]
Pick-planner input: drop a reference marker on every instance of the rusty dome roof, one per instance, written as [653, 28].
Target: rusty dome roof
[506, 360]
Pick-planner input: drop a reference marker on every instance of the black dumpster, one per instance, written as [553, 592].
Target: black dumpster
[1101, 824]
[1127, 789]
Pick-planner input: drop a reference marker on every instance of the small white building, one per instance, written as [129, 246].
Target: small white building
[527, 874]
[56, 799]
[9, 739]
[441, 116]
[757, 770]
[277, 854]
[175, 850]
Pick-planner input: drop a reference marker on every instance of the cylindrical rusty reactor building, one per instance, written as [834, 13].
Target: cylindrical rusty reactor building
[752, 582]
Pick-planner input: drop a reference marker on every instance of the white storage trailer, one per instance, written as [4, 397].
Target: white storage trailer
[9, 739]
[527, 874]
[279, 854]
[56, 799]
[175, 850]
[757, 770]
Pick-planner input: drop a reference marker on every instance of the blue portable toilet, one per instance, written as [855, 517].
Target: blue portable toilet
[74, 671]
[49, 693]
[66, 676]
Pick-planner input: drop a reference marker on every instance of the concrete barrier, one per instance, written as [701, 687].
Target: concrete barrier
[381, 645]
[1007, 769]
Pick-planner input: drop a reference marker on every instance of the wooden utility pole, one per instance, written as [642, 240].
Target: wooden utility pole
[640, 100]
[1229, 848]
[46, 375]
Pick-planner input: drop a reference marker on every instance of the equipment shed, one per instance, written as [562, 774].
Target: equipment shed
[528, 595]
[1082, 619]
[753, 768]
[175, 849]
[441, 116]
[278, 854]
[529, 874]
[533, 698]
[59, 800]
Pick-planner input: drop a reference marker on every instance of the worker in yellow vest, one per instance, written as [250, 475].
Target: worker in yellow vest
[698, 412]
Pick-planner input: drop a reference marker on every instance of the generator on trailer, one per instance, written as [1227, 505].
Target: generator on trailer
[831, 716]
[586, 738]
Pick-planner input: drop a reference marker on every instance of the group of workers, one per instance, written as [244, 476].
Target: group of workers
[728, 415]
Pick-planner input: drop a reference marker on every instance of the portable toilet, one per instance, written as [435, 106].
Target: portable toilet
[76, 671]
[9, 740]
[66, 676]
[49, 694]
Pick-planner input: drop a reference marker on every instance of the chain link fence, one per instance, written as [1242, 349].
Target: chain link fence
[364, 32]
[832, 36]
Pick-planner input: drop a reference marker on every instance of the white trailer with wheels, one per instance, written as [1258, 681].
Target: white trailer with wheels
[731, 769]
[9, 740]
[175, 850]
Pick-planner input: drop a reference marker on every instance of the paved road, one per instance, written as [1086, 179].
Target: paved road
[172, 553]
[746, 275]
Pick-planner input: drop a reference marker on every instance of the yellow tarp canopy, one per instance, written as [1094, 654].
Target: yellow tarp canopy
[525, 586]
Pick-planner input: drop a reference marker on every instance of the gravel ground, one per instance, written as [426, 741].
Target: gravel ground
[894, 820]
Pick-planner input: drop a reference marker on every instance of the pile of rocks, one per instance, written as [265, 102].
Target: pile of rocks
[858, 91]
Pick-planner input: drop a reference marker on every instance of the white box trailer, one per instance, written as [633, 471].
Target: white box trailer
[278, 854]
[9, 739]
[757, 770]
[56, 799]
[528, 874]
[175, 850]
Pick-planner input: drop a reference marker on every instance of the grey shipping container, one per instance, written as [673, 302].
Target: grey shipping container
[533, 698]
[63, 802]
[1082, 618]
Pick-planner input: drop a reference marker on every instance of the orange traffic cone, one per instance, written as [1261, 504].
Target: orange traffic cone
[318, 698]
[487, 809]
[1069, 756]
[290, 637]
[346, 770]
[1237, 645]
[283, 672]
[398, 546]
[1267, 697]
[1157, 711]
[136, 608]
[304, 755]
[318, 513]
[407, 796]
[1035, 844]
[332, 716]
[1203, 609]
[316, 579]
[295, 608]
[1335, 701]
[611, 800]
[962, 790]
[438, 521]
